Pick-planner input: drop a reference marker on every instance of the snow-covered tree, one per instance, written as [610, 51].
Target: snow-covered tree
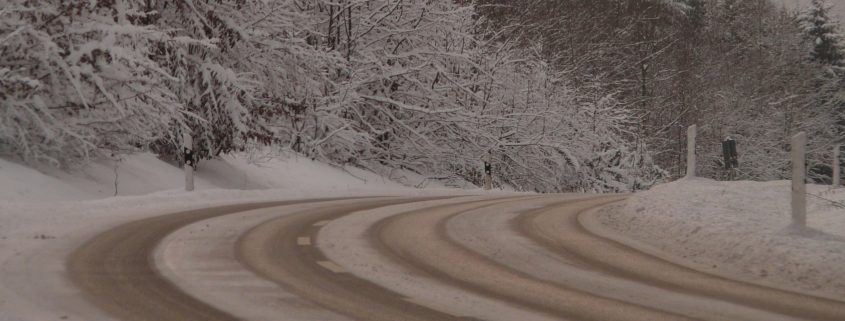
[76, 79]
[824, 32]
[428, 86]
[214, 88]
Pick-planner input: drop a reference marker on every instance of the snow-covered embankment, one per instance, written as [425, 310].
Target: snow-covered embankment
[739, 230]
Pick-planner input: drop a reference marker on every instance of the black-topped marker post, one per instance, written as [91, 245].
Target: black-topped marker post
[188, 159]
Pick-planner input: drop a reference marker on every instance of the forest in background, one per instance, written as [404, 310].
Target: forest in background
[567, 95]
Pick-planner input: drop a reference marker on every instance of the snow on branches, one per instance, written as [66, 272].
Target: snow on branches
[823, 31]
[379, 83]
[76, 79]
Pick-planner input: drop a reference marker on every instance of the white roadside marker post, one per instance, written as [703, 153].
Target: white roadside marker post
[691, 132]
[188, 157]
[799, 188]
[836, 168]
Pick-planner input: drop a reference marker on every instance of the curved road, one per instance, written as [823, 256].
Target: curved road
[457, 258]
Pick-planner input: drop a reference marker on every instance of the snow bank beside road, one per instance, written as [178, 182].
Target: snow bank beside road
[143, 173]
[740, 230]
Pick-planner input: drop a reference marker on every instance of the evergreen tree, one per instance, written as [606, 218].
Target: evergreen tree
[824, 32]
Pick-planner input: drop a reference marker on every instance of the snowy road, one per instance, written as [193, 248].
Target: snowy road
[393, 258]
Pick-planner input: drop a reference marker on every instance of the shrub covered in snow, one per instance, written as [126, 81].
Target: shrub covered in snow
[416, 85]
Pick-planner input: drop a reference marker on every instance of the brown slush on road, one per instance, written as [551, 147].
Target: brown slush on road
[419, 239]
[561, 230]
[271, 250]
[116, 272]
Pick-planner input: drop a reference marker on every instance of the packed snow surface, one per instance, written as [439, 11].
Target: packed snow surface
[740, 230]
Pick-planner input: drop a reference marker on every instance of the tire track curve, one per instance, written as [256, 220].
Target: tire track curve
[419, 238]
[115, 269]
[274, 251]
[564, 233]
[496, 234]
[349, 241]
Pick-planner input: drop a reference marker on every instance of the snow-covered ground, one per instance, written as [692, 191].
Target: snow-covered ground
[142, 174]
[45, 214]
[739, 229]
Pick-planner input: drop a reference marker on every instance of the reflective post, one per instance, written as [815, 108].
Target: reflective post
[836, 168]
[188, 158]
[691, 132]
[799, 188]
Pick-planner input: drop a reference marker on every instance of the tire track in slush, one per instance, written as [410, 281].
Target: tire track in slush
[563, 231]
[495, 233]
[272, 251]
[419, 238]
[116, 272]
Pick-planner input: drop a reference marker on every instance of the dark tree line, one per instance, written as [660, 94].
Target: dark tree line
[746, 69]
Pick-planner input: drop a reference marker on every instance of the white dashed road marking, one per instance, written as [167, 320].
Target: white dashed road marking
[331, 266]
[303, 240]
[321, 223]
